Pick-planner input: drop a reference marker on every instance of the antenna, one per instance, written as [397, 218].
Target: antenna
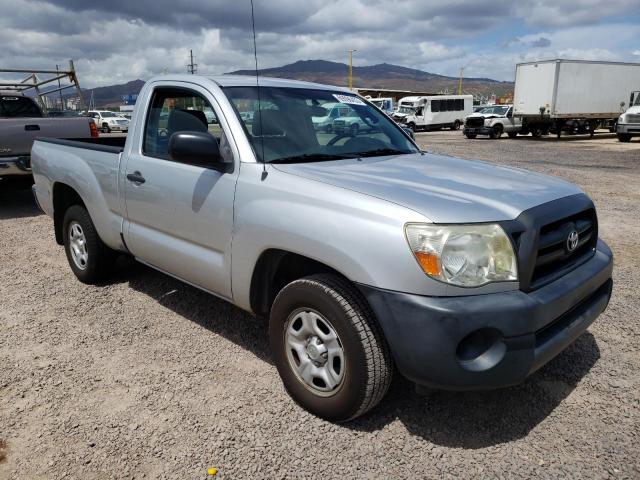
[255, 56]
[192, 68]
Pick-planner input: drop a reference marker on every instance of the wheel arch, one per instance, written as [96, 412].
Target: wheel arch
[63, 197]
[276, 268]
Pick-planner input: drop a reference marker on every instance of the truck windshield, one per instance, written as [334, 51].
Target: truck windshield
[407, 110]
[12, 107]
[293, 125]
[497, 110]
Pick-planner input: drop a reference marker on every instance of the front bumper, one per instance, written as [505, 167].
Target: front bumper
[15, 166]
[628, 128]
[119, 128]
[493, 340]
[477, 130]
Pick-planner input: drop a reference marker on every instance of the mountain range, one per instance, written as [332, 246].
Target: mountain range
[383, 75]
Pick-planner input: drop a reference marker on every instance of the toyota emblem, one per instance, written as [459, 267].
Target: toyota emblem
[572, 241]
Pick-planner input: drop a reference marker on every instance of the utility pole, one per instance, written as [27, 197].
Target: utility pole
[60, 92]
[460, 81]
[192, 68]
[351, 68]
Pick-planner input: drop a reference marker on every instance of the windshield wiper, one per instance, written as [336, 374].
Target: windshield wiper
[379, 152]
[313, 157]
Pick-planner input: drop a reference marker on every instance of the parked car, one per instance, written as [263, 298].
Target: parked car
[493, 121]
[109, 121]
[350, 123]
[21, 121]
[628, 124]
[332, 111]
[386, 104]
[364, 252]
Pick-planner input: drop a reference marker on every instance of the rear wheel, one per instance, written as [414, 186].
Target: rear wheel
[328, 348]
[413, 127]
[89, 258]
[624, 137]
[470, 136]
[512, 134]
[456, 125]
[536, 132]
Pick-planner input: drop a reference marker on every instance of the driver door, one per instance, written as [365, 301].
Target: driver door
[180, 215]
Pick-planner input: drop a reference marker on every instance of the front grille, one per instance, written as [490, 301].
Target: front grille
[475, 122]
[631, 118]
[540, 237]
[553, 255]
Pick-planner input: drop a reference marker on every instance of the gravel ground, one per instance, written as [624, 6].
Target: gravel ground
[148, 378]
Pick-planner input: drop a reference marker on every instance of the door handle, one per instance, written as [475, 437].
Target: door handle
[136, 177]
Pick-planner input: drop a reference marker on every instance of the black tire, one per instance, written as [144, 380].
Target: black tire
[455, 125]
[99, 257]
[105, 128]
[624, 137]
[354, 129]
[470, 136]
[368, 367]
[496, 132]
[536, 132]
[512, 134]
[413, 127]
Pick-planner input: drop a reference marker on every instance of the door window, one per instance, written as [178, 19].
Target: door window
[179, 110]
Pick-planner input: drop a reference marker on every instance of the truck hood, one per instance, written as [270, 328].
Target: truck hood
[632, 110]
[444, 189]
[485, 115]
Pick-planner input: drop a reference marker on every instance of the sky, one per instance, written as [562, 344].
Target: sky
[121, 40]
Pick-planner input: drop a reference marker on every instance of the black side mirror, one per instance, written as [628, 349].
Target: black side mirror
[197, 148]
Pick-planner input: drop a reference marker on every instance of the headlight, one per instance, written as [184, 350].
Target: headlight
[487, 122]
[463, 255]
[621, 119]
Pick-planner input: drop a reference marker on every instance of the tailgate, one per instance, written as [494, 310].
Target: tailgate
[17, 134]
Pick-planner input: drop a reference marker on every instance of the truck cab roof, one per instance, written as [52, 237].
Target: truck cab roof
[247, 81]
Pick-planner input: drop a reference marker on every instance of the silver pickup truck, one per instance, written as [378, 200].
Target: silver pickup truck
[21, 121]
[364, 252]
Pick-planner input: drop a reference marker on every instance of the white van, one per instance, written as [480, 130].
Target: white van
[436, 111]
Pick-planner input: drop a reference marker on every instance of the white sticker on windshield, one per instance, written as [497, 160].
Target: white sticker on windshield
[348, 99]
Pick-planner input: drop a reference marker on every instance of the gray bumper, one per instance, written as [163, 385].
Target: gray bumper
[477, 130]
[493, 340]
[15, 166]
[629, 128]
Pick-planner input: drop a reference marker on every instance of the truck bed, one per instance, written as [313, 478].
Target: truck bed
[100, 144]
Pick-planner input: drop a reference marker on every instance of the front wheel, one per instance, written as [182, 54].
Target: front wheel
[624, 137]
[89, 258]
[496, 132]
[470, 136]
[328, 348]
[512, 134]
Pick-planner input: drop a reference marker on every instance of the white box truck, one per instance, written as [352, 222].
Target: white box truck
[575, 96]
